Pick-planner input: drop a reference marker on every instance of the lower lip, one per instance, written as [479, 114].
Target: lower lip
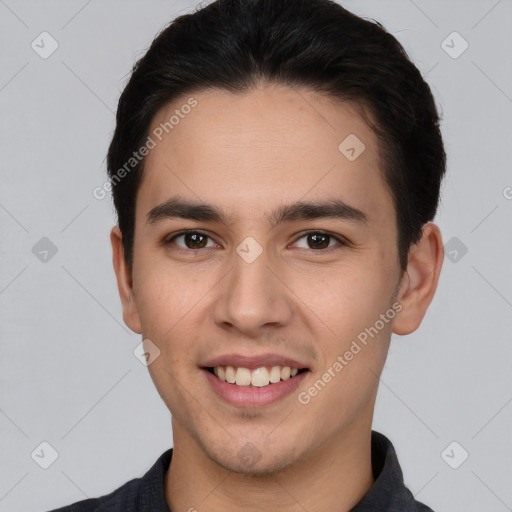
[249, 396]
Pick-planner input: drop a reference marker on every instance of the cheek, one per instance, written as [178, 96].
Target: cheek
[168, 305]
[174, 308]
[345, 299]
[167, 296]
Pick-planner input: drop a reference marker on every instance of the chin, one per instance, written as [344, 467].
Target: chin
[253, 458]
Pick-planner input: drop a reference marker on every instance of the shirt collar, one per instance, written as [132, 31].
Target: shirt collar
[387, 494]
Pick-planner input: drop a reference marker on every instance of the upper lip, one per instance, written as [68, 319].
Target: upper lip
[253, 362]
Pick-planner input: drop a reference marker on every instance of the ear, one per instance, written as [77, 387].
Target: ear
[420, 279]
[124, 282]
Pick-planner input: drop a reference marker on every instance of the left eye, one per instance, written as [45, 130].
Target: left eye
[319, 240]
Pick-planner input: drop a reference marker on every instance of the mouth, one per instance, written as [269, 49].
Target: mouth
[254, 387]
[250, 380]
[254, 378]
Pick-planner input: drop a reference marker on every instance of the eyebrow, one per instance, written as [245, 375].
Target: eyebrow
[182, 208]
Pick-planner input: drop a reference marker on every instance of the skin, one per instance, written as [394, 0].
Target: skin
[250, 153]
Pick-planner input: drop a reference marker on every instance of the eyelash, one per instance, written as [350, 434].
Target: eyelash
[169, 239]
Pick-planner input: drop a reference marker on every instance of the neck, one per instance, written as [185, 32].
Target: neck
[334, 476]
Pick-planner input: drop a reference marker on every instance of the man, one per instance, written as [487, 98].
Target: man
[275, 168]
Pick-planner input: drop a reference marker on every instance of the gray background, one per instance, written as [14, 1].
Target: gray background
[68, 375]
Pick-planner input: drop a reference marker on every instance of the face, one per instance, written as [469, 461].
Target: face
[261, 280]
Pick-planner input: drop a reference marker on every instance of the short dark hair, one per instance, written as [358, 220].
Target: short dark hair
[316, 44]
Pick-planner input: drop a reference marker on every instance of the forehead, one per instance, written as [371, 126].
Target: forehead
[268, 146]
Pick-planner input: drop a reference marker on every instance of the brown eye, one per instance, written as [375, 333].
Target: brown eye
[194, 240]
[190, 240]
[318, 240]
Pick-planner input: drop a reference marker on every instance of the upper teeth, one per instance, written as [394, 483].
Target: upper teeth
[259, 377]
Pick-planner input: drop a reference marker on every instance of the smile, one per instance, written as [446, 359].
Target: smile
[258, 377]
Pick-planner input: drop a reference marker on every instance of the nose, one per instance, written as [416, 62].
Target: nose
[253, 297]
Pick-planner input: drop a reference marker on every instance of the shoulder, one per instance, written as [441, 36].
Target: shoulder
[389, 492]
[420, 507]
[123, 499]
[143, 493]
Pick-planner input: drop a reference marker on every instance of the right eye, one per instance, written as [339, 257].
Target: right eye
[191, 240]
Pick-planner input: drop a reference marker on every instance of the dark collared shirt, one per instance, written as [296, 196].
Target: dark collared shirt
[388, 493]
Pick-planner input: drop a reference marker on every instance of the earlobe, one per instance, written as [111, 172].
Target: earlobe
[124, 282]
[420, 280]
